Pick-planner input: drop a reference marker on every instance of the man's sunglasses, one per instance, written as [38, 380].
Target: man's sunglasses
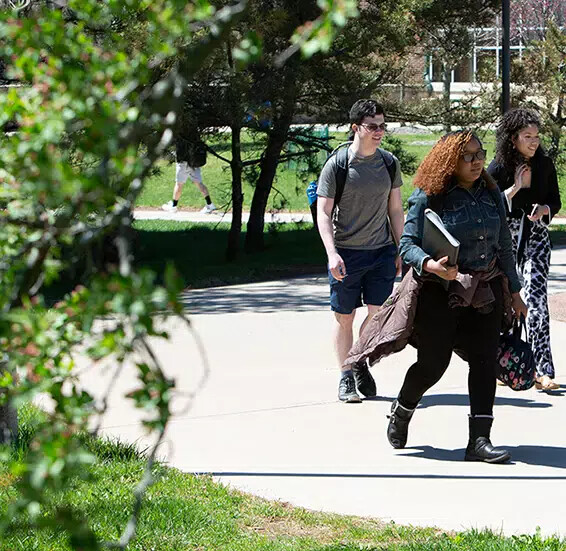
[375, 127]
[469, 157]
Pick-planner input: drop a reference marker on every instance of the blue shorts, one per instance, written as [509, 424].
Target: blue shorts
[369, 275]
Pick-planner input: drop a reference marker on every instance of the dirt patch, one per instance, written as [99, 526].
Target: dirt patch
[277, 527]
[557, 306]
[279, 520]
[342, 531]
[287, 521]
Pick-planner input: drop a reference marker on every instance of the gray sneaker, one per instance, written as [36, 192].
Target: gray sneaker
[347, 390]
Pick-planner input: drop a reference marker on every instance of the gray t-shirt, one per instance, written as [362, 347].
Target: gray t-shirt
[360, 219]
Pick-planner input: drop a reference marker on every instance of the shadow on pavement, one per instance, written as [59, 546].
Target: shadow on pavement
[414, 476]
[439, 454]
[541, 456]
[463, 400]
[549, 456]
[296, 295]
[558, 392]
[379, 399]
[302, 294]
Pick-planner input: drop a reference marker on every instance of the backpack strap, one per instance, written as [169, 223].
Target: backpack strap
[341, 173]
[390, 164]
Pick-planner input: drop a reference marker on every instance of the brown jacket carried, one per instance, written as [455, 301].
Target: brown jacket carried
[392, 328]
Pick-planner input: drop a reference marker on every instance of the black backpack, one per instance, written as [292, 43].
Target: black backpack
[341, 153]
[190, 151]
[197, 154]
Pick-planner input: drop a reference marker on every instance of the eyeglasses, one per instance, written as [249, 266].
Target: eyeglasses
[375, 127]
[529, 138]
[469, 157]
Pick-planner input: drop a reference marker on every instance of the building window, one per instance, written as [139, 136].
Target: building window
[464, 71]
[436, 71]
[485, 62]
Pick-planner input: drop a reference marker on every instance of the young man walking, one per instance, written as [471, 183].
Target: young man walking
[190, 155]
[360, 234]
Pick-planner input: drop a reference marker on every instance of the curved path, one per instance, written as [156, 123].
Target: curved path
[268, 421]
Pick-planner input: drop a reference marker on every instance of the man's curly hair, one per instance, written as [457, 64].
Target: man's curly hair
[511, 124]
[438, 167]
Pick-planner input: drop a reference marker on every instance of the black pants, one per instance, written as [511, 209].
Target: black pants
[439, 329]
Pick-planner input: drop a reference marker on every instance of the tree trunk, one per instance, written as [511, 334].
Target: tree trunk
[268, 168]
[447, 81]
[8, 424]
[556, 130]
[8, 420]
[233, 248]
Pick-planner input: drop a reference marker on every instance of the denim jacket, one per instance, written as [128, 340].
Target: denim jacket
[476, 218]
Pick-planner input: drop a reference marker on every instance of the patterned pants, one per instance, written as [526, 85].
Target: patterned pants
[533, 270]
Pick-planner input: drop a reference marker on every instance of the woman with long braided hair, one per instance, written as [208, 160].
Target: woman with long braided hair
[527, 178]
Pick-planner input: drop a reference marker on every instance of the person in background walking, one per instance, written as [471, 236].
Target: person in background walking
[190, 156]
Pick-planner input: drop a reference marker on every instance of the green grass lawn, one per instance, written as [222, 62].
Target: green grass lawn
[198, 251]
[289, 186]
[183, 512]
[558, 235]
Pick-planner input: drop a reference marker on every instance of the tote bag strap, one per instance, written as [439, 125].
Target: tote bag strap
[520, 326]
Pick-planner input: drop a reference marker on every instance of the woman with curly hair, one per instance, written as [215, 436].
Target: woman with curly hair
[466, 313]
[527, 178]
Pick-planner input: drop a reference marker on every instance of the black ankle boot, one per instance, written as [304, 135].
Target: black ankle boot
[398, 425]
[479, 445]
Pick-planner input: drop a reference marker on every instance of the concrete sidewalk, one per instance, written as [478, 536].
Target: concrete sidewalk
[221, 216]
[217, 216]
[268, 421]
